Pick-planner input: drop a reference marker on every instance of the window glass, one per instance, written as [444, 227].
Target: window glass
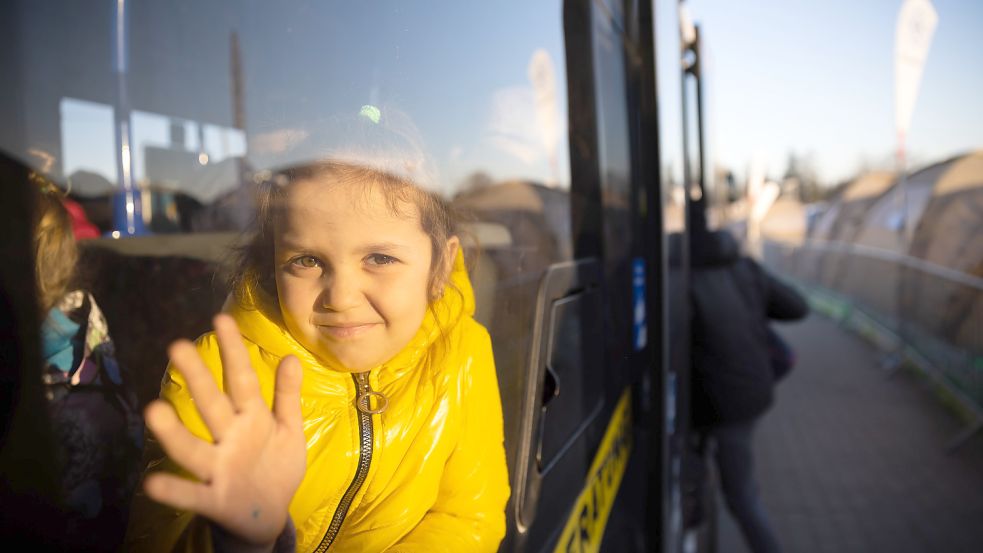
[667, 50]
[614, 161]
[159, 119]
[674, 198]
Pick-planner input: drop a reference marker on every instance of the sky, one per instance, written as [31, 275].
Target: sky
[817, 79]
[305, 67]
[806, 77]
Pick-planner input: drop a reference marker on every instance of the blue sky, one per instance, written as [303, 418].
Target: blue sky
[814, 78]
[465, 85]
[817, 78]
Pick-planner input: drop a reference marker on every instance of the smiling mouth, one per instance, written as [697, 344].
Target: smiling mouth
[344, 332]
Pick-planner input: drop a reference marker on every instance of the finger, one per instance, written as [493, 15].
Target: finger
[240, 379]
[286, 396]
[179, 443]
[212, 404]
[180, 493]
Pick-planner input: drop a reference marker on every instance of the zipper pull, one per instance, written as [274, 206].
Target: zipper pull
[365, 394]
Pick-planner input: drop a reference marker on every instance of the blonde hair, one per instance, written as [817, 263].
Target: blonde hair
[55, 251]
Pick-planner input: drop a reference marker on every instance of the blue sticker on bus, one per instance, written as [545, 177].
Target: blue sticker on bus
[640, 333]
[671, 403]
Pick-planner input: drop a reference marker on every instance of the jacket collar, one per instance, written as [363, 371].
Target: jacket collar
[260, 322]
[713, 249]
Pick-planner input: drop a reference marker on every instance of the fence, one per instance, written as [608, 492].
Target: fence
[924, 314]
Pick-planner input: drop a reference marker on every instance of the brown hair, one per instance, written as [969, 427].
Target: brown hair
[254, 266]
[55, 251]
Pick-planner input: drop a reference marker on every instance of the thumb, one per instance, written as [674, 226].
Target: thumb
[286, 396]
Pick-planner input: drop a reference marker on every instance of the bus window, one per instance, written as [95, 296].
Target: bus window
[675, 199]
[615, 167]
[159, 122]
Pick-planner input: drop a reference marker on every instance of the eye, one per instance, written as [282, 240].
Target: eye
[380, 259]
[305, 261]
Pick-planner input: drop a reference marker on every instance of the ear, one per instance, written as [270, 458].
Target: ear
[451, 247]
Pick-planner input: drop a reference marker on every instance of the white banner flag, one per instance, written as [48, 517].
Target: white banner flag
[916, 25]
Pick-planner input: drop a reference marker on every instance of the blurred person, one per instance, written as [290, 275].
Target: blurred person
[96, 427]
[27, 469]
[734, 369]
[359, 406]
[82, 227]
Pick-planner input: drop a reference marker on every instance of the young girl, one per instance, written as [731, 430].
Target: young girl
[95, 420]
[357, 273]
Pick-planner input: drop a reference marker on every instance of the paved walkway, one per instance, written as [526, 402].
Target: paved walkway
[853, 460]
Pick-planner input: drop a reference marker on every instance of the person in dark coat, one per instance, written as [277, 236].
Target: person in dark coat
[733, 377]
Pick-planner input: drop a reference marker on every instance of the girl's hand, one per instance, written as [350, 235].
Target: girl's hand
[249, 475]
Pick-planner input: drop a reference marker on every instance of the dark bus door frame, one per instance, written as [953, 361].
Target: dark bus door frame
[542, 497]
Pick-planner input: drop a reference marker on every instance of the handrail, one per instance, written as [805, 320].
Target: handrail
[942, 375]
[882, 254]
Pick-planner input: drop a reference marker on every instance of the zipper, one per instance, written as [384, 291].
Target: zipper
[363, 403]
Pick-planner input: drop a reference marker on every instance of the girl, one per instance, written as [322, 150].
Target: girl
[355, 279]
[95, 420]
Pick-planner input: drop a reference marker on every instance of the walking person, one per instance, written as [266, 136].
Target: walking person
[733, 373]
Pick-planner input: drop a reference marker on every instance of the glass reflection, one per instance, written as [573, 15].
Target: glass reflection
[214, 99]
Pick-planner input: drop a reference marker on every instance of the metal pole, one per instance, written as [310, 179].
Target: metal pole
[896, 359]
[701, 145]
[691, 69]
[127, 212]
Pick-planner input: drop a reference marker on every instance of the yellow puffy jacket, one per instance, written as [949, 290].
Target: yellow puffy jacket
[427, 474]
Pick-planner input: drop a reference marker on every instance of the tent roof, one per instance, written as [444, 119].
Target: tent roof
[512, 195]
[868, 186]
[963, 174]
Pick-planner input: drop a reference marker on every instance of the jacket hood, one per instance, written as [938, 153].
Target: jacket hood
[261, 322]
[711, 249]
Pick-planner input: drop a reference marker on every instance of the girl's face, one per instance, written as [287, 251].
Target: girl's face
[351, 276]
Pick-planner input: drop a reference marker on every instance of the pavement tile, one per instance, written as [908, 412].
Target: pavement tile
[851, 459]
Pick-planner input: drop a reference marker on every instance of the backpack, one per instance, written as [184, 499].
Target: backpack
[780, 354]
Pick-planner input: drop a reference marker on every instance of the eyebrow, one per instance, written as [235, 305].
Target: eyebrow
[383, 247]
[288, 243]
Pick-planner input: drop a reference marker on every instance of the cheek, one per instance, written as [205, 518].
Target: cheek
[295, 297]
[404, 301]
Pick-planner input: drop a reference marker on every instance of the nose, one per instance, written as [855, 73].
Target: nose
[342, 291]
